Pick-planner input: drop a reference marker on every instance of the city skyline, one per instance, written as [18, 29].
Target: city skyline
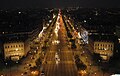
[59, 3]
[60, 42]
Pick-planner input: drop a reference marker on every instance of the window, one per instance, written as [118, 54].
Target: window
[111, 48]
[8, 46]
[5, 46]
[16, 45]
[94, 48]
[106, 45]
[19, 45]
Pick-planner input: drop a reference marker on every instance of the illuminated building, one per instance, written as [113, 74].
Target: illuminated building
[105, 49]
[14, 50]
[84, 35]
[17, 45]
[119, 40]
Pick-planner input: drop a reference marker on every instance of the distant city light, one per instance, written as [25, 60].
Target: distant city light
[115, 75]
[85, 21]
[3, 32]
[16, 61]
[17, 49]
[84, 36]
[79, 35]
[96, 13]
[19, 12]
[55, 42]
[54, 16]
[47, 24]
[90, 18]
[105, 48]
[119, 40]
[50, 21]
[44, 28]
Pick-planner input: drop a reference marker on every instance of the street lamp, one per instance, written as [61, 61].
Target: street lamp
[22, 74]
[95, 73]
[83, 72]
[34, 73]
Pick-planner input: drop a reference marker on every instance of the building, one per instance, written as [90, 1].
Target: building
[84, 35]
[119, 40]
[18, 28]
[105, 45]
[105, 49]
[118, 32]
[14, 50]
[18, 45]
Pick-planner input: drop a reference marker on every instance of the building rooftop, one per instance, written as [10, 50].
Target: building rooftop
[103, 38]
[97, 20]
[19, 23]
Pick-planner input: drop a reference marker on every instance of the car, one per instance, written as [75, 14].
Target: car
[42, 73]
[32, 57]
[29, 64]
[25, 72]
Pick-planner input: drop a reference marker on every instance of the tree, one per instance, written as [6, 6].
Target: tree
[97, 58]
[81, 66]
[33, 68]
[38, 62]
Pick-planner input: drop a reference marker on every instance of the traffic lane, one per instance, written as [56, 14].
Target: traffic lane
[60, 69]
[50, 58]
[55, 70]
[66, 56]
[86, 57]
[68, 69]
[24, 64]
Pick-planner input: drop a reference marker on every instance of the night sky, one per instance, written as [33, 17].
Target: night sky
[58, 3]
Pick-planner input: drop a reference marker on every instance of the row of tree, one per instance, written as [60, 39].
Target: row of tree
[80, 65]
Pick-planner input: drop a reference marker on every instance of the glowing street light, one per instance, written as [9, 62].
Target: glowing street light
[16, 49]
[34, 72]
